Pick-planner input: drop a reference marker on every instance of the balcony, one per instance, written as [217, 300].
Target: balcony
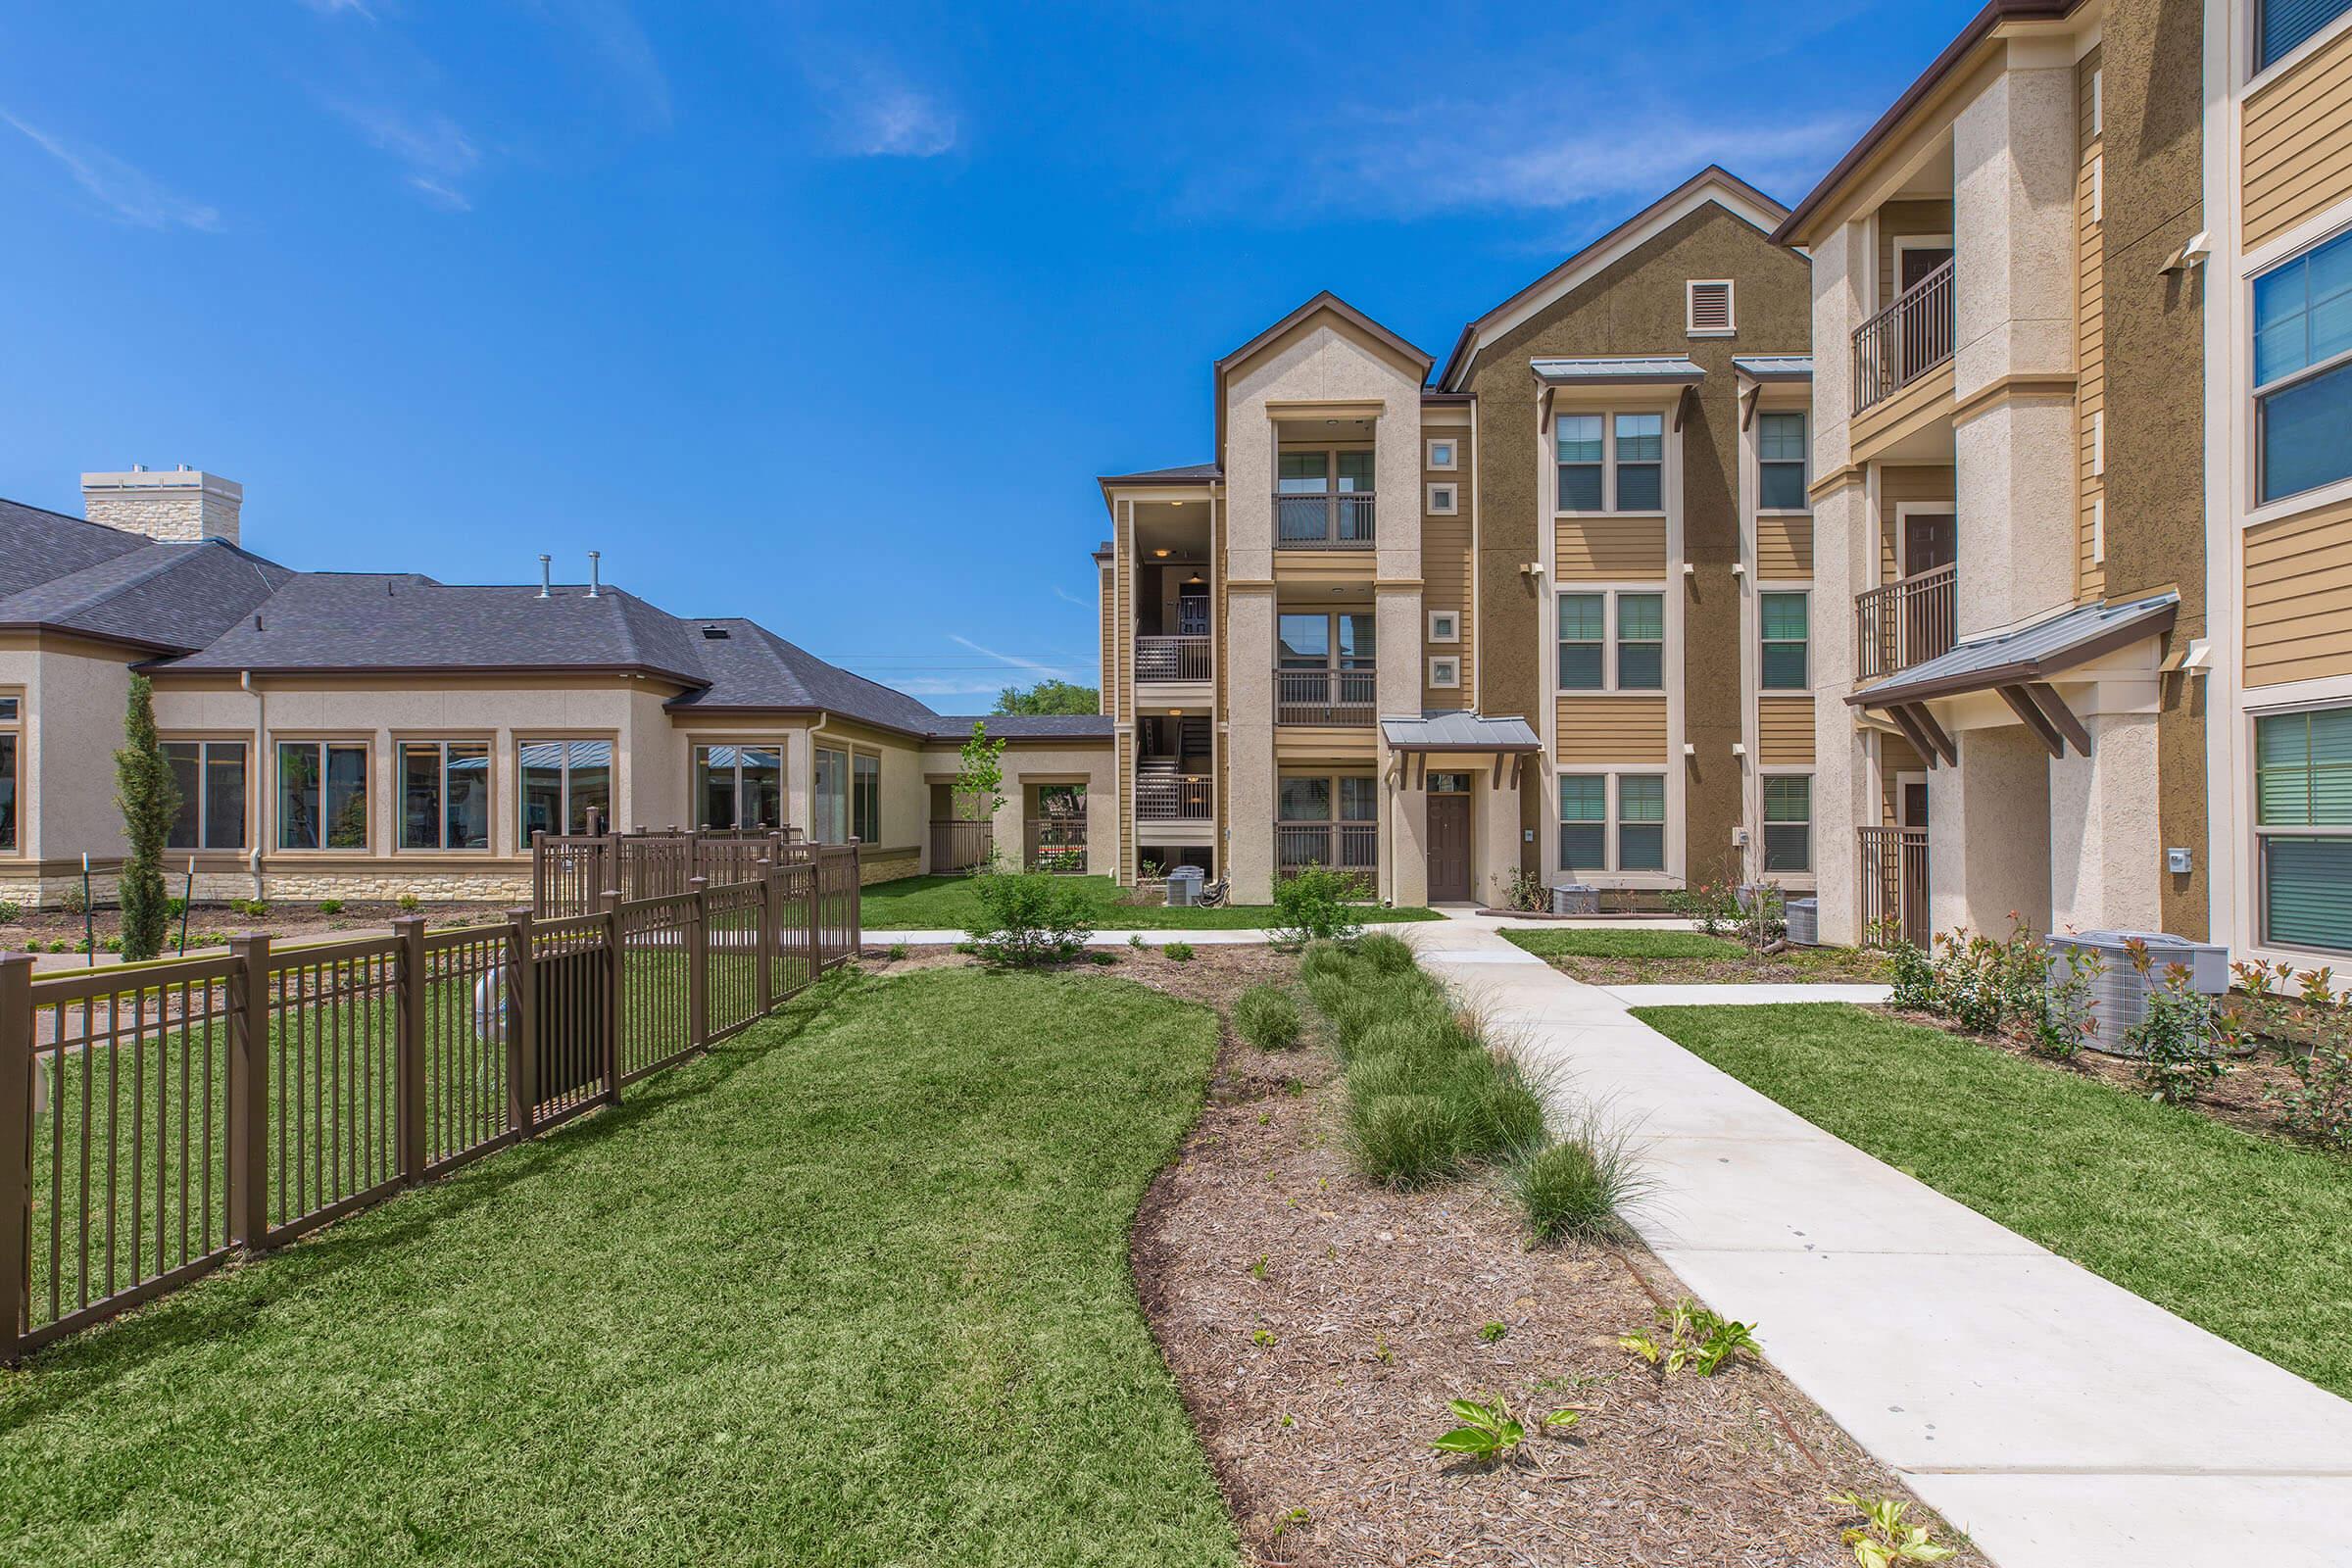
[1172, 798]
[1339, 698]
[1895, 885]
[1343, 846]
[1171, 658]
[1904, 341]
[1331, 522]
[1905, 622]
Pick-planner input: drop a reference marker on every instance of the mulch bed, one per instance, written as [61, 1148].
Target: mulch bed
[1816, 966]
[1317, 1325]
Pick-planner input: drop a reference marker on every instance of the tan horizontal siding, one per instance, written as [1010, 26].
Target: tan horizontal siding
[1446, 585]
[1610, 550]
[2299, 596]
[1784, 547]
[1611, 729]
[1917, 482]
[1895, 759]
[2091, 342]
[2298, 143]
[1901, 221]
[1785, 731]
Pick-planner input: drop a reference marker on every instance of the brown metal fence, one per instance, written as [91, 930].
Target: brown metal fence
[157, 1120]
[572, 872]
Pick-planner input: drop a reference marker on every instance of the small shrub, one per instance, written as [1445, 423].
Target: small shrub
[1489, 1333]
[1029, 917]
[1912, 976]
[2068, 1013]
[251, 909]
[408, 903]
[1135, 940]
[1714, 904]
[1100, 959]
[1179, 952]
[2178, 1039]
[10, 912]
[1385, 953]
[1522, 890]
[1312, 905]
[1882, 1540]
[330, 906]
[1267, 1017]
[896, 952]
[75, 902]
[2320, 1104]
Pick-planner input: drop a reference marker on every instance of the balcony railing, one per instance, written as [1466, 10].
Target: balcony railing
[1171, 658]
[1904, 341]
[1905, 622]
[1056, 844]
[1335, 697]
[1343, 846]
[1172, 798]
[1894, 884]
[1336, 522]
[959, 846]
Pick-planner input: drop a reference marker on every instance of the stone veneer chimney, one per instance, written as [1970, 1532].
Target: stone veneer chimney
[180, 507]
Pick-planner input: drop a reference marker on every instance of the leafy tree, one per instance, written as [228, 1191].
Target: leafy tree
[980, 780]
[1050, 697]
[149, 798]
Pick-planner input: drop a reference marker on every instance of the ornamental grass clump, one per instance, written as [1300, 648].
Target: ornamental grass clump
[1385, 953]
[1267, 1017]
[1580, 1188]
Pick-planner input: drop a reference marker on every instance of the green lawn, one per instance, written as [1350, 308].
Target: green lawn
[853, 1289]
[1574, 942]
[951, 902]
[2241, 1233]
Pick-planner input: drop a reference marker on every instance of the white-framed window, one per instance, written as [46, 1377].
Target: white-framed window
[829, 797]
[1781, 457]
[563, 781]
[1611, 461]
[1707, 306]
[1784, 622]
[1444, 500]
[1445, 625]
[739, 786]
[12, 715]
[2281, 26]
[2303, 370]
[2303, 829]
[1612, 822]
[865, 797]
[1446, 672]
[322, 795]
[444, 794]
[1787, 823]
[1444, 454]
[1611, 639]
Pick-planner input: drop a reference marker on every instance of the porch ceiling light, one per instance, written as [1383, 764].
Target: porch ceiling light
[1161, 554]
[1195, 579]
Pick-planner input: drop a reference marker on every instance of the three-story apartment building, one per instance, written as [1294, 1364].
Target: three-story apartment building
[2083, 480]
[1546, 612]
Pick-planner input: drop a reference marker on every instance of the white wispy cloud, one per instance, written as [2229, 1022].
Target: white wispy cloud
[437, 153]
[340, 7]
[131, 194]
[611, 29]
[1069, 598]
[1011, 660]
[876, 112]
[939, 686]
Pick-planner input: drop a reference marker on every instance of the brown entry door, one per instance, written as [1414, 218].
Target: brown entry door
[1448, 847]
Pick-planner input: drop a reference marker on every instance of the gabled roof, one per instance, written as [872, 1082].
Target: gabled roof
[1711, 185]
[1655, 369]
[752, 668]
[43, 545]
[65, 574]
[1326, 301]
[2036, 653]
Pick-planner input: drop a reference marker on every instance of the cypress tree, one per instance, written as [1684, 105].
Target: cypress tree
[149, 798]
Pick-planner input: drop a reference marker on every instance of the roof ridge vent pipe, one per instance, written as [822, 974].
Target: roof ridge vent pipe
[545, 563]
[595, 580]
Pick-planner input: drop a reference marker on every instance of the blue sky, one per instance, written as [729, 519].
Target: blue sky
[826, 315]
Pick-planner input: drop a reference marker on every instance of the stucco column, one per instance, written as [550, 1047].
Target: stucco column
[1404, 843]
[1844, 551]
[1495, 814]
[1989, 834]
[1249, 848]
[2104, 858]
[2013, 474]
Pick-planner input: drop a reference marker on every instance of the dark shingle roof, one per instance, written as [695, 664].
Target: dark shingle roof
[43, 545]
[103, 582]
[754, 668]
[1027, 726]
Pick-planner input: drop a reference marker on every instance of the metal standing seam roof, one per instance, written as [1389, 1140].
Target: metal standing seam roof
[1189, 474]
[2030, 654]
[1458, 731]
[1774, 366]
[1661, 368]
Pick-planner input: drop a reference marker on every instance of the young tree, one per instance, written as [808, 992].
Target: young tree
[980, 779]
[1050, 697]
[149, 798]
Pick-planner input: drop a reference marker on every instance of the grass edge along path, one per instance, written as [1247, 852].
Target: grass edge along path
[2241, 1235]
[951, 902]
[854, 1287]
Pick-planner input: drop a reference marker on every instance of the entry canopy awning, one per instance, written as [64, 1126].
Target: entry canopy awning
[2019, 665]
[1655, 369]
[1774, 366]
[1508, 741]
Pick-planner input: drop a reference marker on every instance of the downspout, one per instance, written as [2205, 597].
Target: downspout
[253, 850]
[813, 732]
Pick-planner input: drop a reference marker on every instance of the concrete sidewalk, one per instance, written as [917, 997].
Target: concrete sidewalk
[2058, 1419]
[1231, 936]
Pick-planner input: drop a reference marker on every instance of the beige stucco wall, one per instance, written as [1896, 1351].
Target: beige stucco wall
[1095, 767]
[73, 722]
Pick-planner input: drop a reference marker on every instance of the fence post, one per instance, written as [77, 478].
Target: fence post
[523, 1040]
[817, 915]
[15, 1150]
[698, 960]
[407, 1059]
[611, 1002]
[248, 1091]
[764, 927]
[856, 897]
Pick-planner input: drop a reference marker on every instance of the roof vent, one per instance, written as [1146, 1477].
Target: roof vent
[545, 563]
[716, 634]
[594, 574]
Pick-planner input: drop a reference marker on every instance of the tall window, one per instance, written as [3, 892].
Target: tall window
[1640, 822]
[2303, 826]
[563, 781]
[1304, 799]
[1786, 633]
[1781, 461]
[1310, 641]
[1580, 460]
[2303, 369]
[829, 804]
[1584, 629]
[739, 786]
[2286, 24]
[865, 798]
[1584, 822]
[1641, 461]
[1640, 642]
[321, 794]
[211, 775]
[1788, 822]
[444, 794]
[10, 714]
